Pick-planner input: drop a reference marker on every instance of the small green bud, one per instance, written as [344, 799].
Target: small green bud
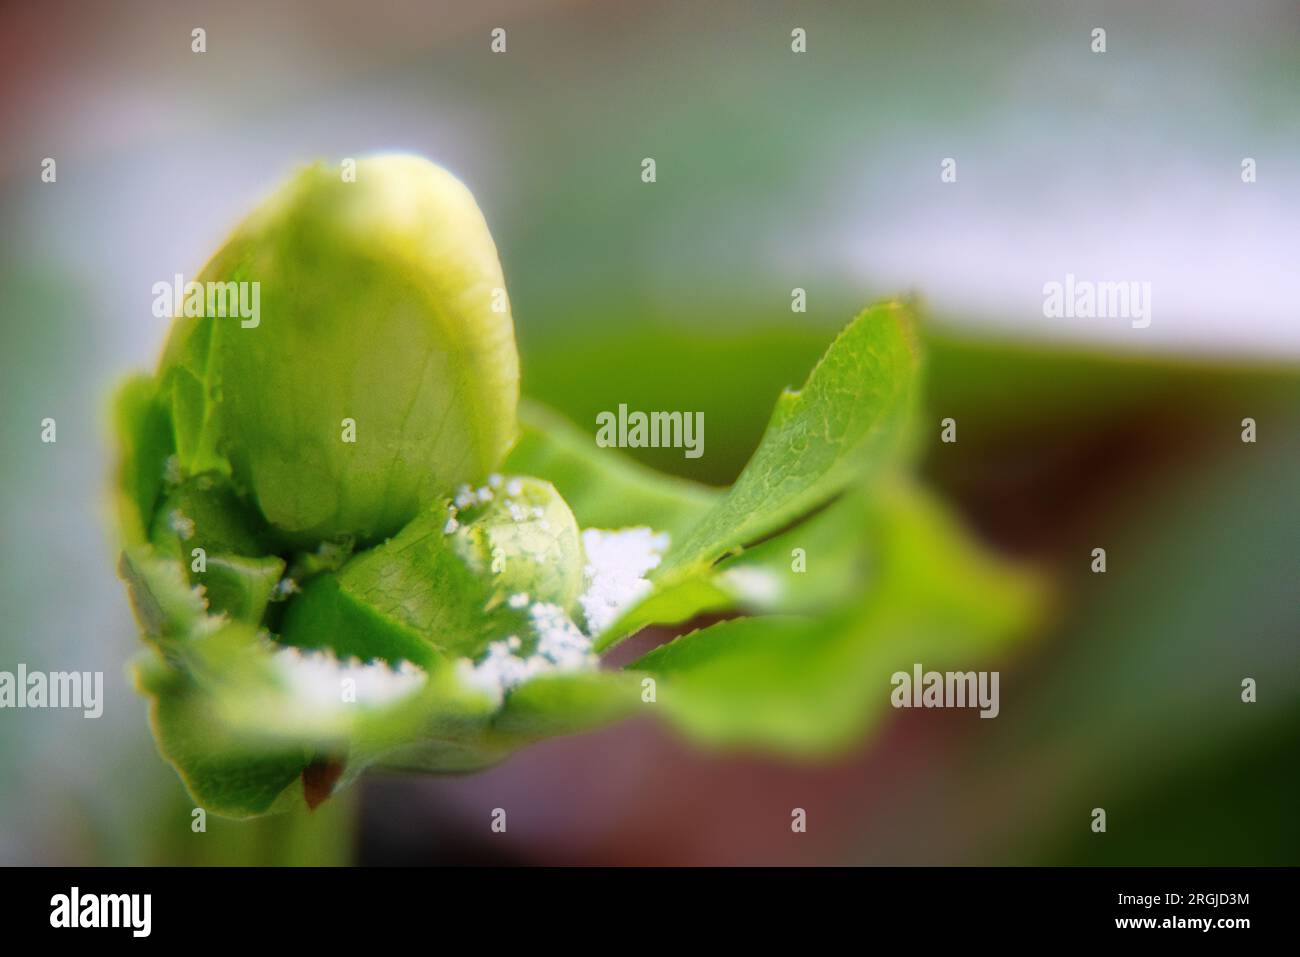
[381, 369]
[519, 534]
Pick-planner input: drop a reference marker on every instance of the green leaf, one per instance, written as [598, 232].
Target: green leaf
[412, 598]
[440, 588]
[226, 773]
[605, 488]
[808, 685]
[818, 564]
[219, 543]
[547, 706]
[144, 442]
[240, 719]
[167, 607]
[240, 587]
[567, 704]
[849, 423]
[204, 511]
[849, 420]
[764, 579]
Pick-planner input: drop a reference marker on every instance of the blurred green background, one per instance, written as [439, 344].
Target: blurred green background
[775, 170]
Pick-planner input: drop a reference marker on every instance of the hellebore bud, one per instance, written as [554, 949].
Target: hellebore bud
[381, 368]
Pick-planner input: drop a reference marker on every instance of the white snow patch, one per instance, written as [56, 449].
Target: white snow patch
[617, 563]
[316, 678]
[562, 648]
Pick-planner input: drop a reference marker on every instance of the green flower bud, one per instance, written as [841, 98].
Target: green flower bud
[519, 534]
[380, 369]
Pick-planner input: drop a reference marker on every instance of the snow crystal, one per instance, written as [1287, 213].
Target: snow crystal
[173, 474]
[617, 563]
[562, 648]
[316, 678]
[181, 524]
[283, 589]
